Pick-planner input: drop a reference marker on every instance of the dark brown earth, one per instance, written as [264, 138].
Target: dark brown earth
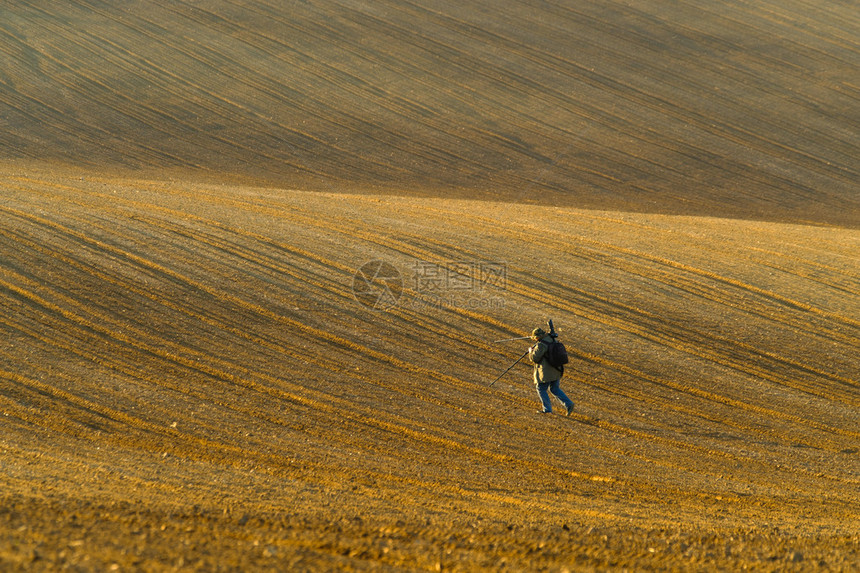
[199, 370]
[746, 109]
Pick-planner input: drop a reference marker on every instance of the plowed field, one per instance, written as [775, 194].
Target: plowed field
[255, 256]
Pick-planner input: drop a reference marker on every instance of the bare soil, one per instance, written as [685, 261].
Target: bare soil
[254, 258]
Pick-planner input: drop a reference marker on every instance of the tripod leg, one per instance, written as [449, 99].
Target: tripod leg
[509, 367]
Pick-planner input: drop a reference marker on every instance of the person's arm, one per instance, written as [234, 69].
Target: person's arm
[536, 352]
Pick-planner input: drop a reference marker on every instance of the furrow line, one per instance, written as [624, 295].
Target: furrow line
[683, 340]
[722, 399]
[279, 94]
[416, 74]
[574, 246]
[345, 227]
[541, 58]
[74, 195]
[670, 338]
[563, 66]
[167, 438]
[822, 166]
[149, 116]
[221, 370]
[277, 89]
[687, 389]
[76, 128]
[274, 387]
[201, 316]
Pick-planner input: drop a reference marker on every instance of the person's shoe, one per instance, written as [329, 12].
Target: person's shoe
[543, 412]
[570, 409]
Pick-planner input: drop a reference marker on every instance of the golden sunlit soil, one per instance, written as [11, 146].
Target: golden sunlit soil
[255, 256]
[189, 375]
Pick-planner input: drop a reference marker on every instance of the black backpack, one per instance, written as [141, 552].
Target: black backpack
[556, 354]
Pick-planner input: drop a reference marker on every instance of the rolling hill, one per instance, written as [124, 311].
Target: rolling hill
[743, 109]
[254, 257]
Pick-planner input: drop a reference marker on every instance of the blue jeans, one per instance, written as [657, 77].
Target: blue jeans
[555, 388]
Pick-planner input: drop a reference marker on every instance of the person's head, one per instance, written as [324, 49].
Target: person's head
[538, 333]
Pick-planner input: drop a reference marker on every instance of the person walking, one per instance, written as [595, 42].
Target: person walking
[547, 377]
